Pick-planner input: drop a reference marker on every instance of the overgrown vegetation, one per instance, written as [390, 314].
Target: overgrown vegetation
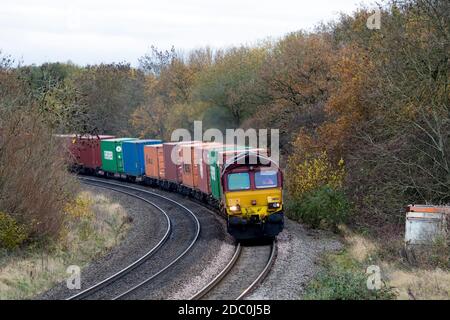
[94, 224]
[421, 274]
[11, 234]
[315, 190]
[324, 207]
[344, 278]
[34, 182]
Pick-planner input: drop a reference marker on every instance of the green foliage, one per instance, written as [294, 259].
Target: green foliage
[11, 233]
[110, 92]
[343, 279]
[324, 207]
[233, 82]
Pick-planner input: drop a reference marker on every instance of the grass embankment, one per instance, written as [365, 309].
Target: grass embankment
[95, 224]
[344, 274]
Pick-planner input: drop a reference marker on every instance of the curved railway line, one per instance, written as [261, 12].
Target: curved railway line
[247, 268]
[254, 261]
[137, 274]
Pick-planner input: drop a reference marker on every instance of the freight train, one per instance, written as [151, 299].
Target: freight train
[242, 183]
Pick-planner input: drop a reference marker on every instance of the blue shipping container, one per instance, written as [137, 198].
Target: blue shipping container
[133, 156]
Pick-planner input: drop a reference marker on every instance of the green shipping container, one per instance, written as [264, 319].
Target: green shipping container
[215, 168]
[214, 174]
[112, 156]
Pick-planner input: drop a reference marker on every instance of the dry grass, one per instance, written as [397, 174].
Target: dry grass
[98, 225]
[359, 247]
[419, 281]
[420, 284]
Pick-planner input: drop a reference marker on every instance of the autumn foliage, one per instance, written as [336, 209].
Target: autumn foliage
[363, 113]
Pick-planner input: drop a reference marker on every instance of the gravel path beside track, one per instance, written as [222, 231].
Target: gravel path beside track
[298, 251]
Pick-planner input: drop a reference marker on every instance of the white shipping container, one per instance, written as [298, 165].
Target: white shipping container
[424, 227]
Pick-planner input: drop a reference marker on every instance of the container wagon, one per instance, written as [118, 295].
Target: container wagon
[154, 161]
[112, 156]
[87, 152]
[133, 157]
[242, 182]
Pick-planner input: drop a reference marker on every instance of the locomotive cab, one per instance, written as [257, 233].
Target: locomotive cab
[252, 196]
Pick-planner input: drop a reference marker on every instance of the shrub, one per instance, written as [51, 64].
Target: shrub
[308, 173]
[430, 256]
[344, 278]
[324, 207]
[11, 233]
[35, 184]
[79, 208]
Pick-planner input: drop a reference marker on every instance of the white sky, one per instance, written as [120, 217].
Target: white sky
[94, 31]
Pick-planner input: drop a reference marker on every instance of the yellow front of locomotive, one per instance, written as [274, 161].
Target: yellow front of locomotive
[253, 200]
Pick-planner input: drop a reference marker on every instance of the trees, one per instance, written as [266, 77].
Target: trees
[169, 83]
[110, 92]
[387, 112]
[232, 82]
[34, 182]
[378, 99]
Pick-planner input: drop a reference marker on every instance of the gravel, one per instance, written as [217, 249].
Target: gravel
[196, 269]
[147, 228]
[206, 274]
[210, 254]
[249, 265]
[296, 262]
[182, 280]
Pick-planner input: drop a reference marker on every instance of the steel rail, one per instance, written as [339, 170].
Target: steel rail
[228, 269]
[191, 245]
[220, 276]
[263, 273]
[135, 263]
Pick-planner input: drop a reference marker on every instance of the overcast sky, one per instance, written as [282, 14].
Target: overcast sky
[94, 31]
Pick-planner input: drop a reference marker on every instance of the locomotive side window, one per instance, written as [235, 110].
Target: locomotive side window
[238, 181]
[266, 179]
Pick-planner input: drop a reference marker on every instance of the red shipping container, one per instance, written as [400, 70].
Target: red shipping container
[189, 170]
[173, 167]
[86, 150]
[202, 178]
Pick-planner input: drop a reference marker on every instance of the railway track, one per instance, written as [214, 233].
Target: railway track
[134, 277]
[247, 268]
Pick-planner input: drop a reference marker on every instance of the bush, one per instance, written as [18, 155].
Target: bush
[344, 279]
[309, 172]
[79, 208]
[11, 234]
[430, 256]
[324, 207]
[35, 184]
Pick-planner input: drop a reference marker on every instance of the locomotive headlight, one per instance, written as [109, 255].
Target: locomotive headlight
[235, 208]
[274, 205]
